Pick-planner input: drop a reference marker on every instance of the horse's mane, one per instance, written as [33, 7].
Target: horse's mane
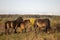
[19, 19]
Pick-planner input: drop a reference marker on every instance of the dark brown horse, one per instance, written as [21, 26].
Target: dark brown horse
[12, 25]
[42, 24]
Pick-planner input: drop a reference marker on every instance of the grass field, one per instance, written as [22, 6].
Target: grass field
[54, 22]
[31, 36]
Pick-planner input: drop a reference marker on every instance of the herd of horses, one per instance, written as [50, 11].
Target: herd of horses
[19, 25]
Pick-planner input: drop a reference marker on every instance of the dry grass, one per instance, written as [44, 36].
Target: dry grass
[31, 36]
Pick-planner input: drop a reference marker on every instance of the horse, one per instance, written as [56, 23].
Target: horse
[27, 25]
[12, 25]
[42, 25]
[21, 28]
[24, 27]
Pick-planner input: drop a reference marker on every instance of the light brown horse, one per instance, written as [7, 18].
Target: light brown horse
[25, 26]
[42, 25]
[21, 28]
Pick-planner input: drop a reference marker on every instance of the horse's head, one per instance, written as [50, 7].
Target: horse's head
[27, 23]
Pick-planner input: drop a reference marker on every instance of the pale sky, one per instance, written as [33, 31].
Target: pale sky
[30, 6]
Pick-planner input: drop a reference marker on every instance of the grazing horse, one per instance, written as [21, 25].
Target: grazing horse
[13, 25]
[27, 25]
[21, 28]
[42, 25]
[24, 26]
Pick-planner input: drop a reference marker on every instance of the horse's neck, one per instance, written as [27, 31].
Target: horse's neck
[17, 21]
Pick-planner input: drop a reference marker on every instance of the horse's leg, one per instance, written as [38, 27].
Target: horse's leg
[12, 29]
[6, 31]
[15, 30]
[15, 27]
[7, 28]
[46, 29]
